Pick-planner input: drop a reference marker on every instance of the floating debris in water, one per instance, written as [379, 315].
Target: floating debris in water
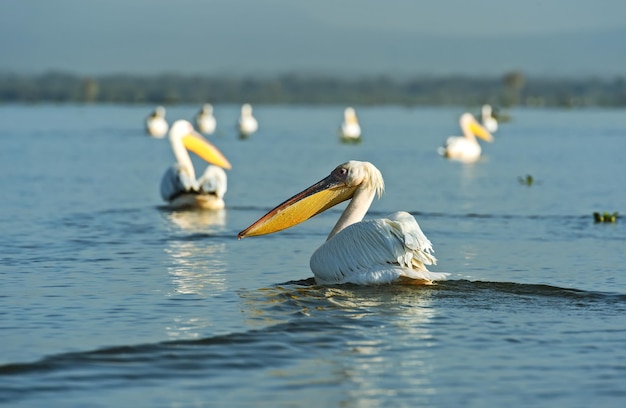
[605, 217]
[526, 181]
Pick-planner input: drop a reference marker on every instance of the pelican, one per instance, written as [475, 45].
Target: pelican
[383, 250]
[489, 122]
[247, 123]
[466, 148]
[156, 125]
[350, 130]
[205, 121]
[179, 186]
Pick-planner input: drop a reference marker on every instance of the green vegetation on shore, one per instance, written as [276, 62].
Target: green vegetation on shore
[512, 89]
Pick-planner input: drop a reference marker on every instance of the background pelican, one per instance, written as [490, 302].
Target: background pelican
[247, 123]
[350, 130]
[205, 121]
[489, 122]
[156, 125]
[179, 186]
[466, 148]
[381, 250]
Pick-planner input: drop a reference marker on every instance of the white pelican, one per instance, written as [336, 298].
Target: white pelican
[179, 186]
[247, 123]
[156, 125]
[350, 130]
[466, 148]
[205, 121]
[489, 122]
[382, 250]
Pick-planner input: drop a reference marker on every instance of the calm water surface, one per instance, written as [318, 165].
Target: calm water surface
[107, 299]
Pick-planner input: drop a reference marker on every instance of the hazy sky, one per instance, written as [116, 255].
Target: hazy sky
[245, 36]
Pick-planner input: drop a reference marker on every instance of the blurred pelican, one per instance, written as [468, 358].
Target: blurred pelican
[489, 122]
[156, 125]
[466, 148]
[179, 186]
[205, 121]
[247, 123]
[350, 130]
[382, 250]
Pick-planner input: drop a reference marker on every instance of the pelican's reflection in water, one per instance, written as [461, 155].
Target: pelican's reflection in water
[202, 221]
[364, 331]
[197, 266]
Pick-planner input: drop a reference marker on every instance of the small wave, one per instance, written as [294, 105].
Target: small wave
[524, 289]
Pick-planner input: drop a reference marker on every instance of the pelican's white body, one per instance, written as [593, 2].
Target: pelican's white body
[350, 128]
[247, 124]
[205, 121]
[376, 251]
[463, 148]
[156, 125]
[489, 122]
[179, 186]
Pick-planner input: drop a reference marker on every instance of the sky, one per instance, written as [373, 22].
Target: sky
[342, 37]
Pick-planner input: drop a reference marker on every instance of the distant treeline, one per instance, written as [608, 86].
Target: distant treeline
[511, 89]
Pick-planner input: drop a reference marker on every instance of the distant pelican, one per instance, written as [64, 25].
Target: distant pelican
[156, 125]
[350, 130]
[382, 250]
[179, 186]
[247, 123]
[489, 122]
[466, 148]
[205, 121]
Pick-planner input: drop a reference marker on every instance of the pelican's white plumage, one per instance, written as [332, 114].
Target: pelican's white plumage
[489, 122]
[179, 186]
[466, 148]
[383, 250]
[205, 121]
[247, 124]
[350, 129]
[156, 125]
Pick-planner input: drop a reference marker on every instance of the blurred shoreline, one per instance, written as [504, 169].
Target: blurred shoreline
[511, 89]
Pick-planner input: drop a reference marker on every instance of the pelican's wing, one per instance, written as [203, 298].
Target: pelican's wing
[376, 251]
[213, 181]
[175, 182]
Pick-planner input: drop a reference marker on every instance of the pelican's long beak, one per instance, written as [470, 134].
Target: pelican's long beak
[200, 146]
[480, 131]
[316, 199]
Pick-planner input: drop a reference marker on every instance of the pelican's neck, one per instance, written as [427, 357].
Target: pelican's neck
[486, 113]
[356, 210]
[182, 157]
[467, 133]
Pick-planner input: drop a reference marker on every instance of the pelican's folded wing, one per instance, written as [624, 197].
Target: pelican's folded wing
[213, 181]
[376, 251]
[176, 182]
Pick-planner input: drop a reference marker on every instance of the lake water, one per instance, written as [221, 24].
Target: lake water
[107, 299]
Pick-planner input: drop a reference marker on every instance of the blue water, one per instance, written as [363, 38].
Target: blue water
[108, 299]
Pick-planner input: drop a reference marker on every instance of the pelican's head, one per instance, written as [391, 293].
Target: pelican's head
[207, 108]
[350, 115]
[337, 187]
[246, 109]
[183, 132]
[486, 111]
[469, 124]
[159, 111]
